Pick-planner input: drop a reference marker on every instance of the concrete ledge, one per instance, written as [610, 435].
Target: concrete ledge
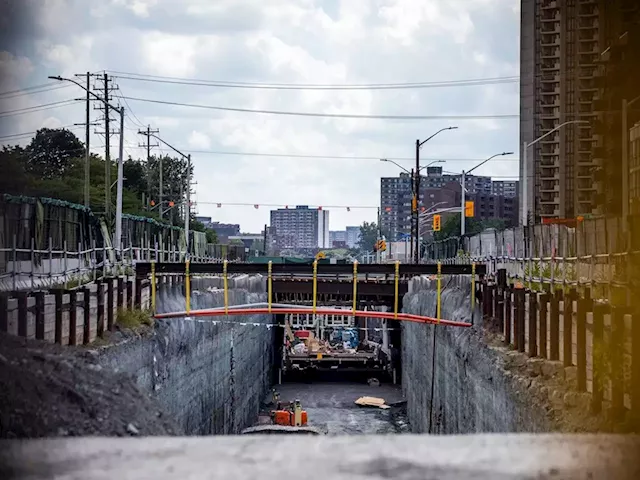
[491, 457]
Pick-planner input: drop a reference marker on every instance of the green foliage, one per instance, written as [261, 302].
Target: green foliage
[368, 236]
[53, 164]
[212, 235]
[51, 152]
[133, 319]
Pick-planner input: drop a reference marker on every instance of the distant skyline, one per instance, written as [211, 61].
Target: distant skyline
[328, 42]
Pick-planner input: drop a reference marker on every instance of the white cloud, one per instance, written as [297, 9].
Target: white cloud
[302, 42]
[198, 140]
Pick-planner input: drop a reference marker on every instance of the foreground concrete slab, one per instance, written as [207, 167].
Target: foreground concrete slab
[493, 457]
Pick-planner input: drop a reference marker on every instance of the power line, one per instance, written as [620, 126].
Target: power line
[327, 115]
[276, 86]
[284, 205]
[26, 134]
[37, 108]
[336, 157]
[19, 93]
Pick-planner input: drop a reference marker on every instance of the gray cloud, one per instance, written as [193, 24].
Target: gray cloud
[321, 41]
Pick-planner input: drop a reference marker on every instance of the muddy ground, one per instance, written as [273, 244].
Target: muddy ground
[48, 390]
[330, 407]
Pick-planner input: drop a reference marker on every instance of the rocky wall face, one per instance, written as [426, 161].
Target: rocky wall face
[211, 373]
[471, 393]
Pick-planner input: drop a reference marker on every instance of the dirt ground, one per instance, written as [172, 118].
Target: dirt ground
[48, 390]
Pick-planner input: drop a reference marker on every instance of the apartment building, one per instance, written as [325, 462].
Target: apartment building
[572, 171]
[634, 170]
[436, 191]
[300, 228]
[506, 188]
[353, 236]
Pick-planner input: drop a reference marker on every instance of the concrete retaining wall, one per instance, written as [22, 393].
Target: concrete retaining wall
[211, 374]
[471, 393]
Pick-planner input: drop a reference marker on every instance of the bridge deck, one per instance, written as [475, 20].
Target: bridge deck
[143, 269]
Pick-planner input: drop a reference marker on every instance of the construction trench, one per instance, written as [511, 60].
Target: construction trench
[215, 375]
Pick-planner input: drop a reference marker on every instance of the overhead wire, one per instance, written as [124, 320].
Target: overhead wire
[290, 86]
[325, 115]
[21, 93]
[37, 108]
[336, 157]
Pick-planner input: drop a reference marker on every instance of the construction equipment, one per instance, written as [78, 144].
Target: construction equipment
[289, 415]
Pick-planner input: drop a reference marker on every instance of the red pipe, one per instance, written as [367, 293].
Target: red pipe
[320, 311]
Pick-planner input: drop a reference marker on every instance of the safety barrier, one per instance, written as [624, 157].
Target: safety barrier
[271, 308]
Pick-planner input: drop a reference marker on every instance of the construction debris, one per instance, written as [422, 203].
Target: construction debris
[372, 402]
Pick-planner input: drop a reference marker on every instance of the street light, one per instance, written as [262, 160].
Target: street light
[525, 146]
[117, 241]
[417, 190]
[463, 189]
[625, 160]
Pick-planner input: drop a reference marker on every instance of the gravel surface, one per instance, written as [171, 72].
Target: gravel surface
[48, 390]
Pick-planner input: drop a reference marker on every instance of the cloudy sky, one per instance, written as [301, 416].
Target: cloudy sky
[285, 42]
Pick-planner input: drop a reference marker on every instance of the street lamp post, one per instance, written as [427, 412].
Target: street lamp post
[625, 160]
[117, 240]
[463, 189]
[414, 203]
[525, 146]
[417, 189]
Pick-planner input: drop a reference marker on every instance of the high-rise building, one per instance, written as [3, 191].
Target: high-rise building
[337, 236]
[563, 61]
[436, 191]
[300, 228]
[353, 236]
[506, 188]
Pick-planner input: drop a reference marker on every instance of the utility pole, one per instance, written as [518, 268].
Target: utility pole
[187, 210]
[264, 242]
[413, 207]
[106, 88]
[147, 133]
[416, 213]
[87, 160]
[87, 124]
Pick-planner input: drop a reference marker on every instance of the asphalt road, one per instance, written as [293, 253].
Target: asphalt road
[331, 408]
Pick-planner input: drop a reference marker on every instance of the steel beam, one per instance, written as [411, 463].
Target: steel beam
[143, 269]
[365, 289]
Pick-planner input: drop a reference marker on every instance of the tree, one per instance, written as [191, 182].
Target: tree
[51, 152]
[14, 179]
[135, 176]
[174, 182]
[197, 226]
[368, 236]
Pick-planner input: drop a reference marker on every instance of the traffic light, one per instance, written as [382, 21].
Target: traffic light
[414, 203]
[380, 246]
[436, 223]
[468, 208]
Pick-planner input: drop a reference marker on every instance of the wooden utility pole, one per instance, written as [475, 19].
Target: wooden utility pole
[147, 133]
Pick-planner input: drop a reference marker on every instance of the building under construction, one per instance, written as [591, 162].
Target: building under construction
[579, 61]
